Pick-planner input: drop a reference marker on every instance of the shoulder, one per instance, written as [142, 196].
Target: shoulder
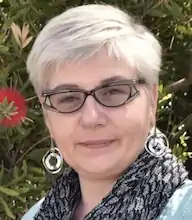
[45, 203]
[30, 214]
[179, 206]
[33, 211]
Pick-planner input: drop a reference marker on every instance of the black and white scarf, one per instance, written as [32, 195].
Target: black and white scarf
[141, 193]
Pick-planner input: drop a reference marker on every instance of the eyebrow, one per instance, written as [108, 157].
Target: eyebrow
[103, 82]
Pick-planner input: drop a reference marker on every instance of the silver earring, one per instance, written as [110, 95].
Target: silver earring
[157, 144]
[52, 160]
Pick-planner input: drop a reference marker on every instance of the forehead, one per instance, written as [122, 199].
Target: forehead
[90, 73]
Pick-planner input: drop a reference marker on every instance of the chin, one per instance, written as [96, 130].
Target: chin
[100, 168]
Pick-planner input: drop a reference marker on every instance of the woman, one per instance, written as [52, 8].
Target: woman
[96, 71]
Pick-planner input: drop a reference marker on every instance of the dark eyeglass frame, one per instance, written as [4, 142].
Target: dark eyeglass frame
[129, 82]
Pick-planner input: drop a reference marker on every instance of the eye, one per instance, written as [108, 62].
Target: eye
[113, 91]
[66, 98]
[116, 90]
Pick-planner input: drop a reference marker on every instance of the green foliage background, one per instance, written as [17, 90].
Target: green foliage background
[22, 177]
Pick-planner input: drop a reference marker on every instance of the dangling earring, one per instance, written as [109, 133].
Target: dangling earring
[156, 143]
[52, 160]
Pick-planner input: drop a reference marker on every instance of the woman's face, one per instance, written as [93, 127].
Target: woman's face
[101, 141]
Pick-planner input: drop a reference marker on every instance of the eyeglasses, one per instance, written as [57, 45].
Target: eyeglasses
[113, 95]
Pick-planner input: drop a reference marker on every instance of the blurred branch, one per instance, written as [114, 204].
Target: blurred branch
[31, 148]
[184, 83]
[187, 124]
[180, 85]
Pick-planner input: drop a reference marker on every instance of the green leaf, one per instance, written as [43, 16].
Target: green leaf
[3, 49]
[156, 12]
[7, 209]
[25, 167]
[160, 88]
[17, 180]
[174, 9]
[36, 170]
[8, 192]
[23, 200]
[43, 194]
[1, 173]
[165, 98]
[35, 178]
[185, 30]
[21, 130]
[37, 155]
[23, 190]
[15, 172]
[189, 154]
[13, 3]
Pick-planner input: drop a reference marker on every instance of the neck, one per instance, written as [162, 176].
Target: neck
[93, 191]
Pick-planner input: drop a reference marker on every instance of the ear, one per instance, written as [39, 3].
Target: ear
[41, 99]
[46, 118]
[48, 124]
[154, 97]
[154, 103]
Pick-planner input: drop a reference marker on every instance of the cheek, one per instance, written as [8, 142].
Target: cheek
[131, 117]
[133, 122]
[61, 128]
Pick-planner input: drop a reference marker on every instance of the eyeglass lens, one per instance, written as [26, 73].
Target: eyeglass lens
[110, 96]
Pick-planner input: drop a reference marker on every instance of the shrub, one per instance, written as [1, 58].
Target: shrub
[22, 177]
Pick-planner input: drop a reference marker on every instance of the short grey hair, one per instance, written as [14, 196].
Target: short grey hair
[81, 32]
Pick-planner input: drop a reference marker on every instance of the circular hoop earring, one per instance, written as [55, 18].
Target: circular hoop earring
[157, 144]
[52, 160]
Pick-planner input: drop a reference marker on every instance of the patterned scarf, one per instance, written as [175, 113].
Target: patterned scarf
[141, 193]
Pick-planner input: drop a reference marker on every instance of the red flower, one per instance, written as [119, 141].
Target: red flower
[12, 107]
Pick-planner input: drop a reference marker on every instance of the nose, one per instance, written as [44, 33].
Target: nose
[91, 114]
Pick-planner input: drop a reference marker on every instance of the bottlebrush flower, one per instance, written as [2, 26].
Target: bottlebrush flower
[12, 107]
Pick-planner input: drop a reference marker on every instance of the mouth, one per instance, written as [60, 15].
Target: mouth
[96, 144]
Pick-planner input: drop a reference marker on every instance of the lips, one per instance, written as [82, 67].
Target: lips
[96, 144]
